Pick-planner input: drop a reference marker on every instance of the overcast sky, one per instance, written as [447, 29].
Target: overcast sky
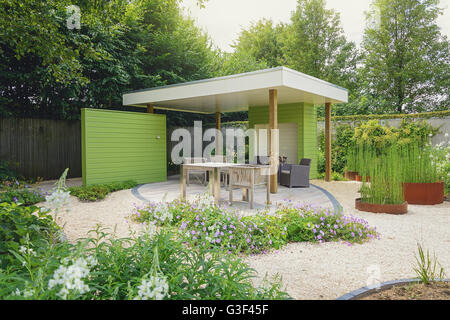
[224, 19]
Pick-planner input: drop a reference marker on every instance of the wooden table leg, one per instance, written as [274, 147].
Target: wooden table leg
[244, 194]
[230, 187]
[183, 174]
[216, 183]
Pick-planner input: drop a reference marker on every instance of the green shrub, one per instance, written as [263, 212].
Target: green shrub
[25, 196]
[104, 268]
[310, 224]
[6, 173]
[18, 223]
[339, 146]
[335, 176]
[99, 192]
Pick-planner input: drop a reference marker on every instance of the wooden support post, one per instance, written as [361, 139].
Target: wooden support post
[273, 125]
[150, 108]
[327, 141]
[218, 141]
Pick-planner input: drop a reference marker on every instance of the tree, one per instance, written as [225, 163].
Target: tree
[262, 42]
[48, 70]
[406, 62]
[314, 43]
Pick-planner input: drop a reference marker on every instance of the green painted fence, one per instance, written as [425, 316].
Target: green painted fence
[119, 146]
[305, 115]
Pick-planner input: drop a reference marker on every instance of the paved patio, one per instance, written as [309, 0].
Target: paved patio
[170, 190]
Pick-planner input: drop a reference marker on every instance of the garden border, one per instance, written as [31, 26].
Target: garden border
[368, 290]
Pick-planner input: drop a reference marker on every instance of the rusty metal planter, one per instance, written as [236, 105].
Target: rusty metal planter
[424, 193]
[350, 175]
[381, 208]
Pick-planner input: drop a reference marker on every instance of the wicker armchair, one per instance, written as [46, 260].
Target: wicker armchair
[292, 175]
[261, 160]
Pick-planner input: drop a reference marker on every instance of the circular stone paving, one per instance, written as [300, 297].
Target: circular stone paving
[170, 190]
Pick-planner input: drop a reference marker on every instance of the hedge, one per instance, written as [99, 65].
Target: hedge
[424, 115]
[363, 117]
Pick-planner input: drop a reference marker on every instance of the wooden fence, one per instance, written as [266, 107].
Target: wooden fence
[41, 147]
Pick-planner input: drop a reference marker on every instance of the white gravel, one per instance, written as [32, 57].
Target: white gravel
[327, 271]
[309, 271]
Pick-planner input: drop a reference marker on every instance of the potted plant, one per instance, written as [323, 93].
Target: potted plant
[422, 180]
[351, 169]
[383, 194]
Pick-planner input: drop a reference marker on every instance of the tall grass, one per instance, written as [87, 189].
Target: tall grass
[417, 163]
[385, 172]
[352, 158]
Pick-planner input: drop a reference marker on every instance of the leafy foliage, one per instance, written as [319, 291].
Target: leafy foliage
[204, 224]
[121, 46]
[406, 59]
[22, 223]
[100, 191]
[25, 196]
[426, 267]
[114, 268]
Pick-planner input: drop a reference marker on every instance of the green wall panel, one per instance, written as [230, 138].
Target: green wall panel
[305, 115]
[119, 146]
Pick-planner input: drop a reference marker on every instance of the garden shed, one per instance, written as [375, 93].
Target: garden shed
[277, 98]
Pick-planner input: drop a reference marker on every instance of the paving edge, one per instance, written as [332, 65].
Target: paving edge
[336, 205]
[137, 194]
[368, 290]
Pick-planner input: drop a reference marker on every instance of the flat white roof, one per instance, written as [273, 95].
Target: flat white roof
[239, 92]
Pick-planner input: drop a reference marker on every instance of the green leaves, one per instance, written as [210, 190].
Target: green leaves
[99, 192]
[406, 58]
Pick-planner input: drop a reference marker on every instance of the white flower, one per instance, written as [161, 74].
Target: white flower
[57, 200]
[162, 212]
[28, 293]
[155, 288]
[205, 201]
[149, 229]
[27, 251]
[70, 277]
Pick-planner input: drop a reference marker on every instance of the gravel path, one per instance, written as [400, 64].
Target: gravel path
[327, 271]
[309, 271]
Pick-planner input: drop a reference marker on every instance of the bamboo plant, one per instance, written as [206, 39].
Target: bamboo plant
[385, 186]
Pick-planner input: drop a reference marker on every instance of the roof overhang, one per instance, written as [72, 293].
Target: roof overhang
[239, 92]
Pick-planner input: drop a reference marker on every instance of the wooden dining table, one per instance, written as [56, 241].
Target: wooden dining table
[214, 169]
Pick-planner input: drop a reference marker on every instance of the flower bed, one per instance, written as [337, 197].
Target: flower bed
[206, 225]
[35, 263]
